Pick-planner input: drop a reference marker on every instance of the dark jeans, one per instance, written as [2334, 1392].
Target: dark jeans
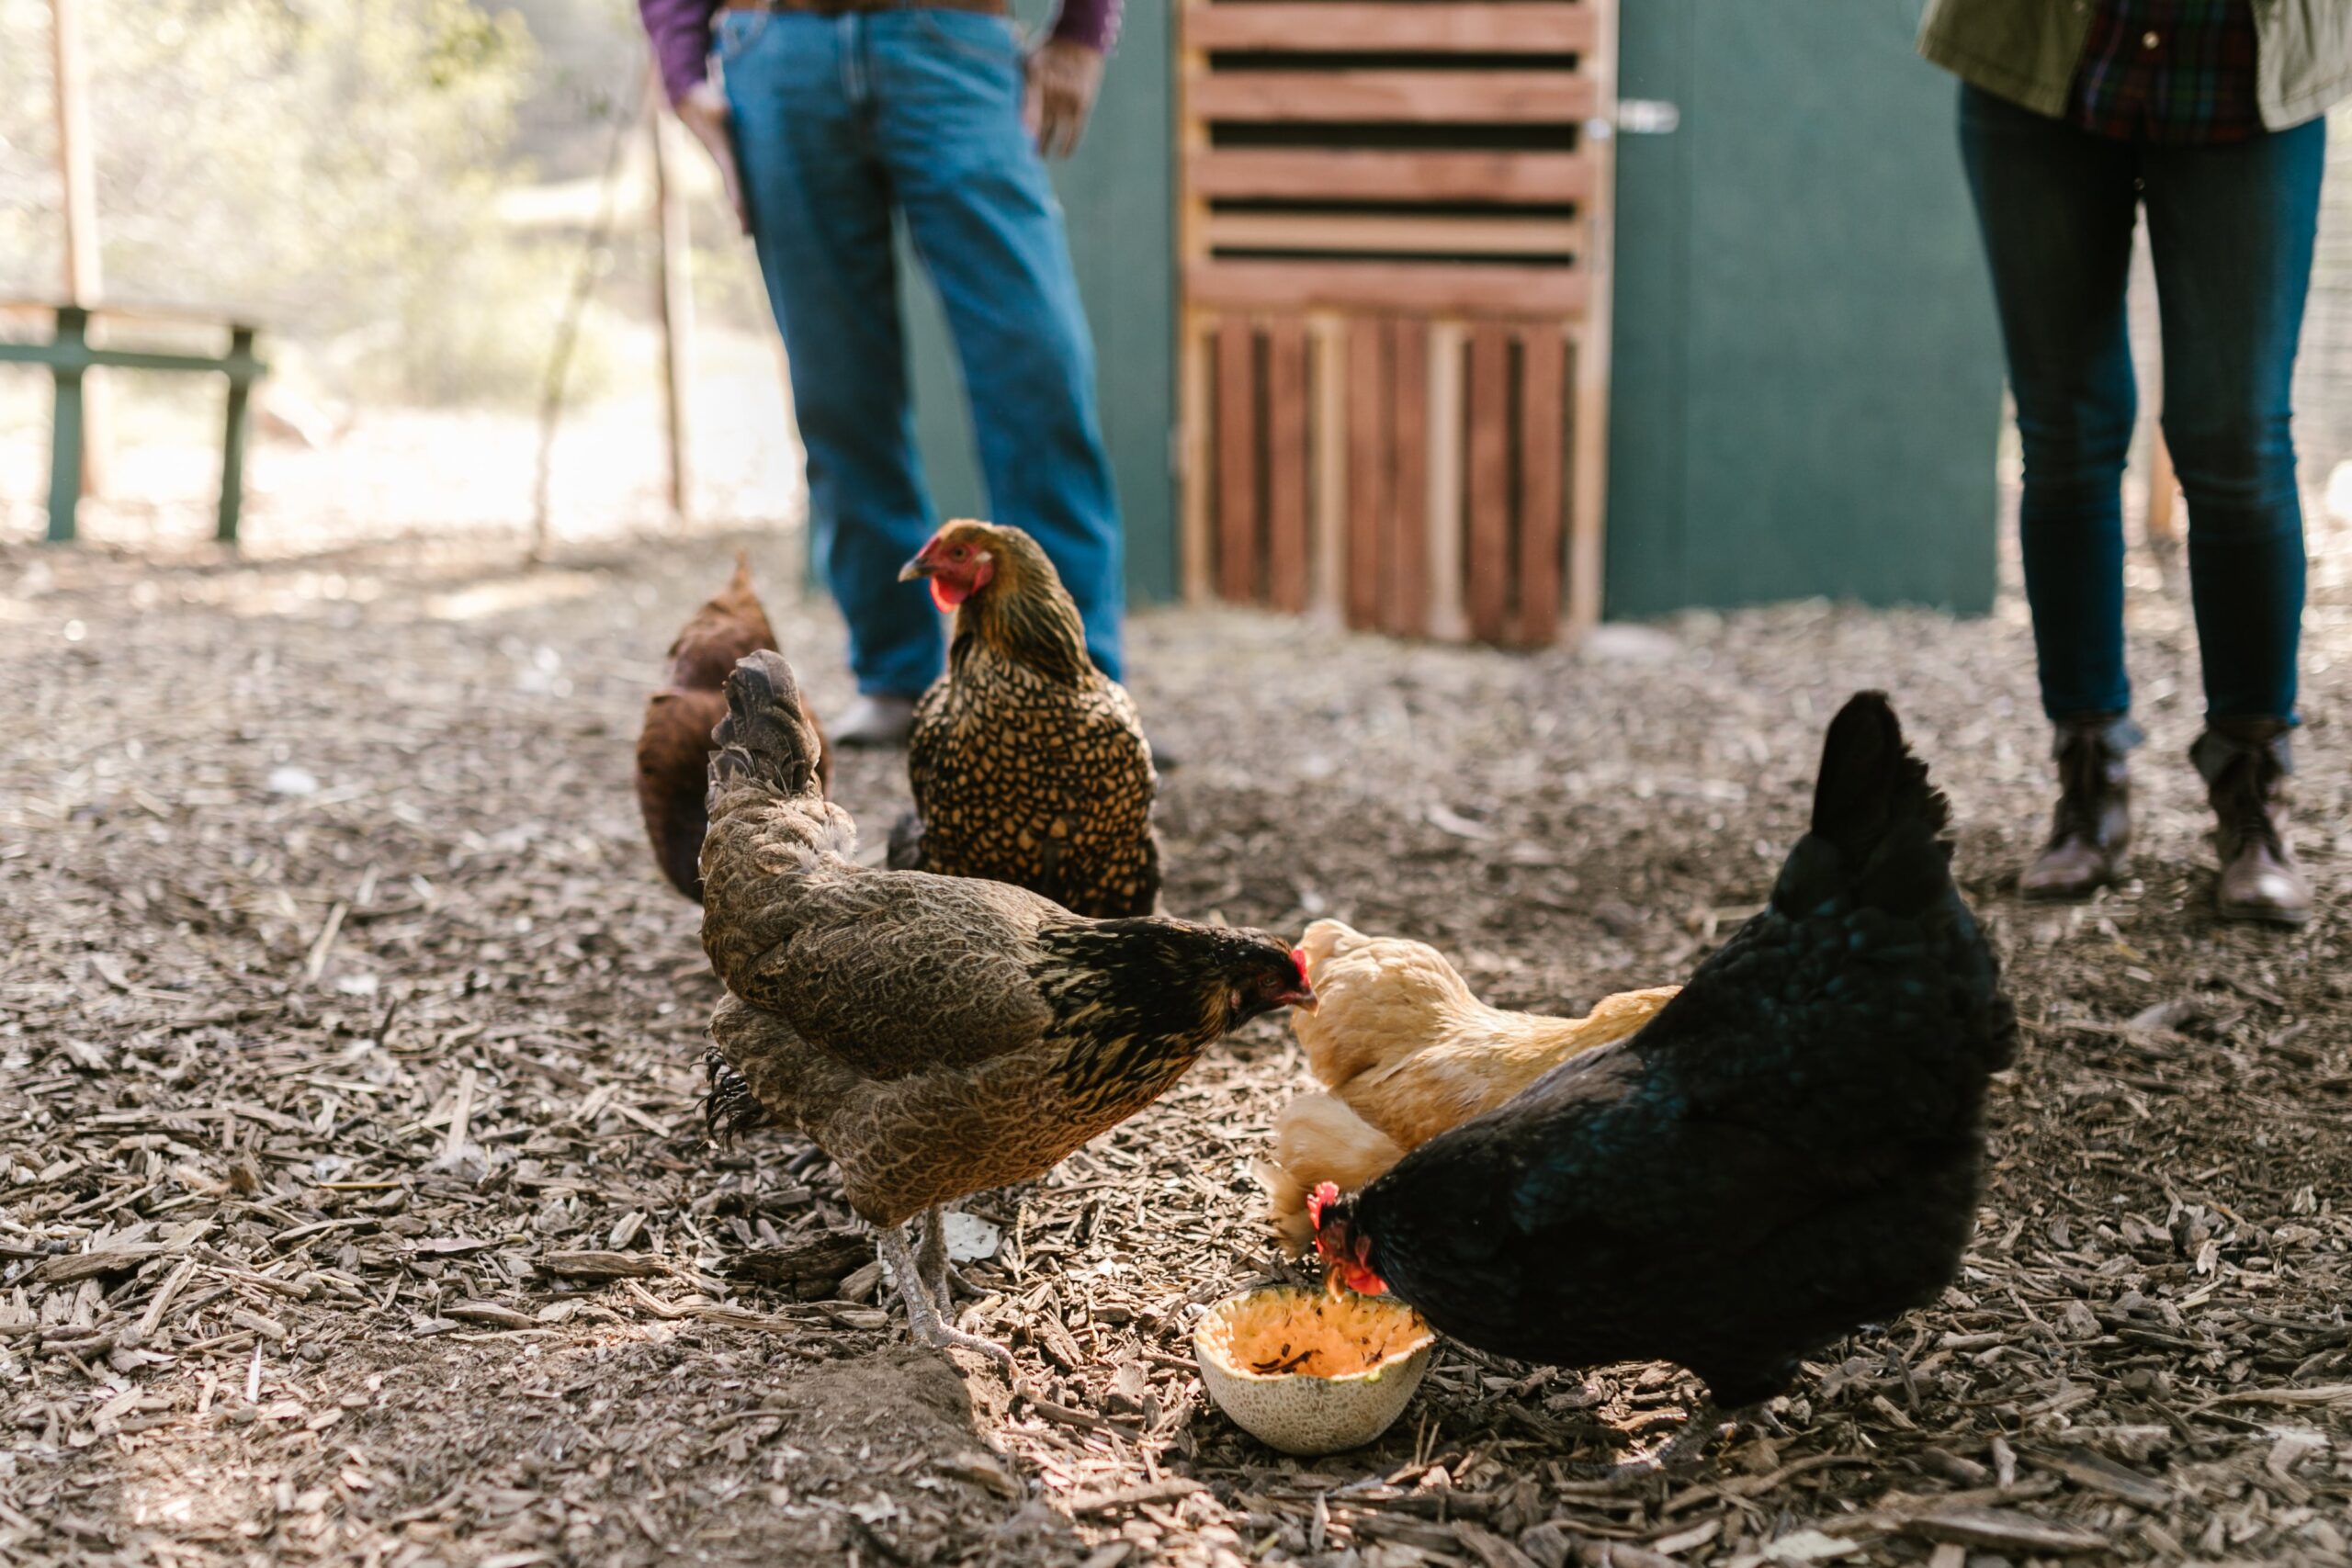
[843, 123]
[2230, 227]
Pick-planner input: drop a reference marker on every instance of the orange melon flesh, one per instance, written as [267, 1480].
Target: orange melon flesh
[1273, 1333]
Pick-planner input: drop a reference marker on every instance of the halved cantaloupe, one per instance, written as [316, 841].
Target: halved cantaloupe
[1308, 1374]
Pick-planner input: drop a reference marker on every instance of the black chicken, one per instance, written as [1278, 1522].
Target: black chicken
[1791, 1148]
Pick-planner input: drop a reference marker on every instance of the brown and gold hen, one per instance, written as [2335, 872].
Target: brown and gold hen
[674, 746]
[1028, 764]
[936, 1035]
[1406, 1051]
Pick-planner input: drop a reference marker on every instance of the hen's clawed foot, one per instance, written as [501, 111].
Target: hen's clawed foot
[938, 1271]
[922, 1311]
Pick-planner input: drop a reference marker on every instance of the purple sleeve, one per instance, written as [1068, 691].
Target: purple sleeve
[1094, 23]
[680, 33]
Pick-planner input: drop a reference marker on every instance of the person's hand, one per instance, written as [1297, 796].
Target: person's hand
[703, 111]
[1064, 76]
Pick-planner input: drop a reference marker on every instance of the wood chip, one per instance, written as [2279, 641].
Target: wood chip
[2002, 1529]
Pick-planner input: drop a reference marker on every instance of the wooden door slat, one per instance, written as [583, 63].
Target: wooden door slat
[1198, 549]
[1286, 557]
[1409, 97]
[1370, 481]
[1429, 288]
[1522, 27]
[1237, 460]
[1543, 438]
[1369, 174]
[1516, 235]
[1404, 603]
[1487, 594]
[1442, 467]
[1328, 437]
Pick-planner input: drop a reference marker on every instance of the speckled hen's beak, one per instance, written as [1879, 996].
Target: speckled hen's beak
[914, 569]
[1303, 999]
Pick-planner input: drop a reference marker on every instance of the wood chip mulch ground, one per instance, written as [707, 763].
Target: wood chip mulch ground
[355, 1207]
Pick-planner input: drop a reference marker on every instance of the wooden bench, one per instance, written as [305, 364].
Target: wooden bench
[68, 354]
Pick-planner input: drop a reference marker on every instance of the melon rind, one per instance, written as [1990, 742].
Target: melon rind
[1386, 1347]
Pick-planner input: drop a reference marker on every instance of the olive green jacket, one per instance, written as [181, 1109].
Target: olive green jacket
[2026, 51]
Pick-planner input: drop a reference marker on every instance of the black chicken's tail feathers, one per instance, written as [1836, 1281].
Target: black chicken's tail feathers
[765, 737]
[1871, 787]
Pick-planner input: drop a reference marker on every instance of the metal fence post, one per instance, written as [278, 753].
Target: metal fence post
[65, 429]
[232, 447]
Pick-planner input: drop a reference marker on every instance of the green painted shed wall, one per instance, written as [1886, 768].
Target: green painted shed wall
[1806, 376]
[1120, 200]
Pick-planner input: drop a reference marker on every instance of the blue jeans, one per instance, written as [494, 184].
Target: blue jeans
[2230, 227]
[840, 121]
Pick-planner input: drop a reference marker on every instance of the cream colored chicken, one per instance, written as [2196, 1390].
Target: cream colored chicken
[1406, 1051]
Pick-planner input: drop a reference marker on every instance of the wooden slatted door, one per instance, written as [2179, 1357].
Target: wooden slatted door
[1396, 356]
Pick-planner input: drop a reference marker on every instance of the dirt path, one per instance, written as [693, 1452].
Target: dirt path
[353, 1208]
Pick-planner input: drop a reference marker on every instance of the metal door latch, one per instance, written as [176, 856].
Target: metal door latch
[1637, 117]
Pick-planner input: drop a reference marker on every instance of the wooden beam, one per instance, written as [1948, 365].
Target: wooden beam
[1437, 288]
[1286, 539]
[1543, 438]
[1238, 429]
[1193, 374]
[1193, 368]
[1442, 508]
[1350, 174]
[674, 302]
[1399, 233]
[1405, 561]
[1329, 439]
[1371, 481]
[1416, 97]
[1527, 26]
[1589, 410]
[1489, 530]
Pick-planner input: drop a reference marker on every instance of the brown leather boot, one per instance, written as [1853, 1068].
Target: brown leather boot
[2093, 830]
[2244, 763]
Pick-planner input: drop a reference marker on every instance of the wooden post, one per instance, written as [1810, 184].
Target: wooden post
[2164, 528]
[77, 170]
[1328, 551]
[1589, 395]
[675, 241]
[1444, 618]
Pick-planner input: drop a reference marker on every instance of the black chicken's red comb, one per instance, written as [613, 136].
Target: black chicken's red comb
[1325, 1194]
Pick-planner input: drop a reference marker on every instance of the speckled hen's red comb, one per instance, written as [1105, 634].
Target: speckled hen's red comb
[1298, 962]
[1325, 1194]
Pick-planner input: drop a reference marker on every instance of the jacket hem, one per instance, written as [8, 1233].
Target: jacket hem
[1997, 77]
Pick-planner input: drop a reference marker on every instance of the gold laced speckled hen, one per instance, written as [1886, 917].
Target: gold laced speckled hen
[936, 1035]
[1028, 764]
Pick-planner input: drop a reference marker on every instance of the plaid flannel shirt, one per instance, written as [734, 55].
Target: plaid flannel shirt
[2169, 70]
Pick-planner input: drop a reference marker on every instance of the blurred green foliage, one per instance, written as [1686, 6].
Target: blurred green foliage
[329, 166]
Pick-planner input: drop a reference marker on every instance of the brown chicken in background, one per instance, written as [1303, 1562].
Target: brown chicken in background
[674, 747]
[1028, 764]
[1406, 1051]
[935, 1035]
